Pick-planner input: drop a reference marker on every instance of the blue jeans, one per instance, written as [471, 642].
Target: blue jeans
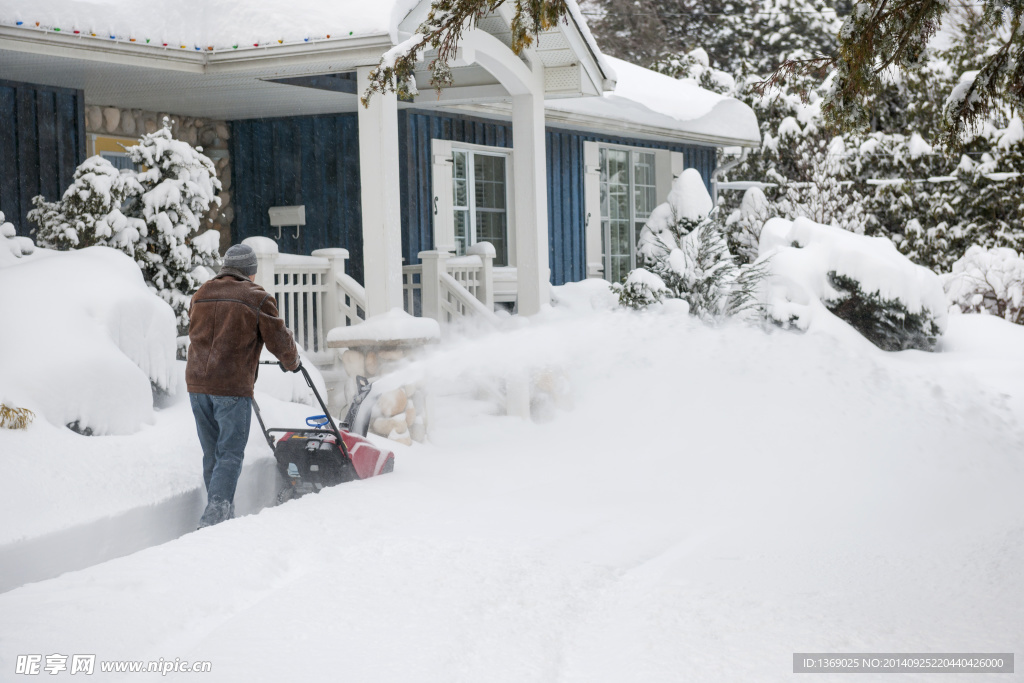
[223, 426]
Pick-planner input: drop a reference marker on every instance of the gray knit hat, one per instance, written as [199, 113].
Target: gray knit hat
[242, 258]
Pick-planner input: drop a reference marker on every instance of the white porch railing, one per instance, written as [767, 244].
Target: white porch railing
[314, 293]
[447, 288]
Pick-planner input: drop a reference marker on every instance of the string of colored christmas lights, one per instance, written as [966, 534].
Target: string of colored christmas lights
[164, 44]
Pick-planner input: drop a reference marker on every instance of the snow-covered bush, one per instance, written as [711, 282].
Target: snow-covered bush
[819, 271]
[684, 255]
[89, 212]
[988, 281]
[11, 245]
[152, 215]
[85, 341]
[744, 224]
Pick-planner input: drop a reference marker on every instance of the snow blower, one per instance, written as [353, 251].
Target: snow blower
[323, 455]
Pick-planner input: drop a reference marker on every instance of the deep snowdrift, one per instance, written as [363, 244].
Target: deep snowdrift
[84, 338]
[703, 504]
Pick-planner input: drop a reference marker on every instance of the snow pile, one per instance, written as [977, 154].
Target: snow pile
[84, 338]
[592, 294]
[803, 257]
[12, 247]
[650, 98]
[988, 281]
[717, 499]
[394, 326]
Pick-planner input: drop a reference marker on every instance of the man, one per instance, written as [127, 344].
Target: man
[231, 318]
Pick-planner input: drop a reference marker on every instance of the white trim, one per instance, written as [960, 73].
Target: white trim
[586, 123]
[592, 206]
[441, 209]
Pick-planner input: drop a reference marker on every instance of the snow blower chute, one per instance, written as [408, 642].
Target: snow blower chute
[323, 455]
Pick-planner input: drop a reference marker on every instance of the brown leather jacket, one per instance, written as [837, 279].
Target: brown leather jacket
[230, 320]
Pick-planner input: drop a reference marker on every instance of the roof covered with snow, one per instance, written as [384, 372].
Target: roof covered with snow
[211, 23]
[653, 100]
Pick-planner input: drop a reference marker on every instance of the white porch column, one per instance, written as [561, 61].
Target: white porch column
[531, 201]
[378, 179]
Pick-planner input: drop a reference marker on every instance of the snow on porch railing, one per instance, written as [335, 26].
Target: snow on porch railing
[314, 294]
[447, 288]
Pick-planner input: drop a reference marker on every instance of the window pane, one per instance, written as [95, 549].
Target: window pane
[644, 191]
[489, 179]
[492, 226]
[615, 215]
[461, 231]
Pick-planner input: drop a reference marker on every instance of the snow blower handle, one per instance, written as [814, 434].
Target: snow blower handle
[319, 399]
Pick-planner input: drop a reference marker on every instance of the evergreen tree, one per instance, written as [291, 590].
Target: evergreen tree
[177, 190]
[684, 255]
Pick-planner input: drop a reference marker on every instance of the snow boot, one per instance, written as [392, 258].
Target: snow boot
[217, 511]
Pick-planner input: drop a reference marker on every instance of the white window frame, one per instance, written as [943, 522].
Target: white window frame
[668, 165]
[443, 210]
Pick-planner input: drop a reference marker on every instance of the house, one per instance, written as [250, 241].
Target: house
[554, 157]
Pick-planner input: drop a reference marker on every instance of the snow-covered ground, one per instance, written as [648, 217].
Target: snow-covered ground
[699, 504]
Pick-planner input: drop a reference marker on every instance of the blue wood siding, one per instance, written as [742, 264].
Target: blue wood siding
[415, 131]
[310, 160]
[566, 204]
[42, 141]
[315, 161]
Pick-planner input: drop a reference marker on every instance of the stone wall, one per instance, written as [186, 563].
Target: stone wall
[211, 135]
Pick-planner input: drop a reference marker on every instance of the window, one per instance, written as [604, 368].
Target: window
[112, 148]
[623, 185]
[119, 160]
[480, 201]
[472, 186]
[628, 195]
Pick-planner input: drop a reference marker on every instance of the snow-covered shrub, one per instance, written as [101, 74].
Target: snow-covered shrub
[641, 289]
[11, 245]
[87, 343]
[988, 281]
[684, 255]
[884, 322]
[744, 224]
[89, 212]
[820, 272]
[152, 215]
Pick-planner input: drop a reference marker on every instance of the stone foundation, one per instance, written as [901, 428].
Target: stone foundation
[209, 134]
[399, 414]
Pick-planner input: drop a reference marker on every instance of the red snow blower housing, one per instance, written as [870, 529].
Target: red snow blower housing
[322, 454]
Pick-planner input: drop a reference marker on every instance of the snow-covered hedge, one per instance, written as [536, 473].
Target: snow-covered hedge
[819, 271]
[84, 339]
[988, 281]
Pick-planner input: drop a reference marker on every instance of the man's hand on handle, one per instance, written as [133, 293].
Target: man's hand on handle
[284, 369]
